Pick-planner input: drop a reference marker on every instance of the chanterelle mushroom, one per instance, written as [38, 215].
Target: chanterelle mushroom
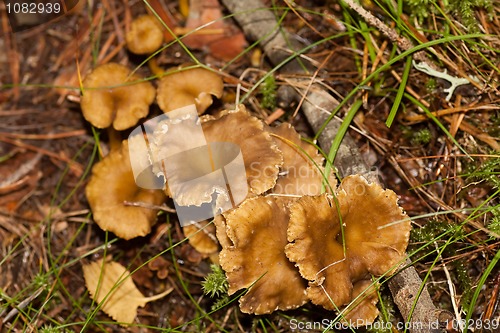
[202, 237]
[255, 258]
[109, 98]
[363, 310]
[111, 184]
[302, 171]
[189, 86]
[312, 232]
[145, 35]
[374, 239]
[203, 178]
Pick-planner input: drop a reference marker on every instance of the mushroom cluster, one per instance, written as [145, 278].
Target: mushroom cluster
[295, 237]
[325, 248]
[339, 242]
[116, 99]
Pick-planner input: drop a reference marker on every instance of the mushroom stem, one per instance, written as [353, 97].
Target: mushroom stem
[115, 139]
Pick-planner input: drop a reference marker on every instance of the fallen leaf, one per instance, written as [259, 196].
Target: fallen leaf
[110, 284]
[220, 38]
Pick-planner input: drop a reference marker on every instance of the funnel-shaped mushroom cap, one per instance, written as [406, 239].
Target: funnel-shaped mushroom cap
[261, 157]
[220, 231]
[189, 86]
[312, 232]
[302, 172]
[375, 236]
[111, 184]
[256, 258]
[377, 231]
[110, 99]
[364, 310]
[145, 35]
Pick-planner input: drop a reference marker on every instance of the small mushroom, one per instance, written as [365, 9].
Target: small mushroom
[372, 240]
[145, 35]
[255, 257]
[261, 156]
[302, 172]
[182, 87]
[201, 237]
[111, 185]
[109, 97]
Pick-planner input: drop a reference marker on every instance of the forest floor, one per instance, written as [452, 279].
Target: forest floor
[438, 151]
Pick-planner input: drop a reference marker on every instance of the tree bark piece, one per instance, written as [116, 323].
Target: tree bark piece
[259, 24]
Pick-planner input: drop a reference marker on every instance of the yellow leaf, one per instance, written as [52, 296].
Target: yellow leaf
[111, 285]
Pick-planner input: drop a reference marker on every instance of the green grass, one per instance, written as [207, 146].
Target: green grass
[438, 235]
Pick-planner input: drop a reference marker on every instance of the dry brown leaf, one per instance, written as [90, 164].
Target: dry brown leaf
[220, 38]
[110, 285]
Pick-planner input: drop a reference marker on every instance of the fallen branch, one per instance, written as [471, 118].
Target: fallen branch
[260, 24]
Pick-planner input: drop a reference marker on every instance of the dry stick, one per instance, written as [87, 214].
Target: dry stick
[402, 42]
[259, 23]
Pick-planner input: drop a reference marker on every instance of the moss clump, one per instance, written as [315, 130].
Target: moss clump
[430, 231]
[51, 329]
[421, 137]
[464, 282]
[463, 9]
[215, 283]
[488, 171]
[494, 224]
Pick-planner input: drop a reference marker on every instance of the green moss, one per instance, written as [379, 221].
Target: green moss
[421, 137]
[494, 224]
[419, 8]
[494, 129]
[463, 9]
[384, 321]
[489, 171]
[464, 283]
[268, 91]
[215, 283]
[51, 329]
[430, 231]
[431, 85]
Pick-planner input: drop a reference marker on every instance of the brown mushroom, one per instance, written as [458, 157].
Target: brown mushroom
[261, 157]
[181, 87]
[373, 239]
[302, 172]
[363, 309]
[201, 236]
[145, 35]
[111, 185]
[255, 257]
[312, 235]
[110, 98]
[377, 230]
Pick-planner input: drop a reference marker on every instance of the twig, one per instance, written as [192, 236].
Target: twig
[402, 42]
[23, 304]
[451, 287]
[405, 44]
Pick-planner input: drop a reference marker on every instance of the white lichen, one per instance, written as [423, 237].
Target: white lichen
[455, 82]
